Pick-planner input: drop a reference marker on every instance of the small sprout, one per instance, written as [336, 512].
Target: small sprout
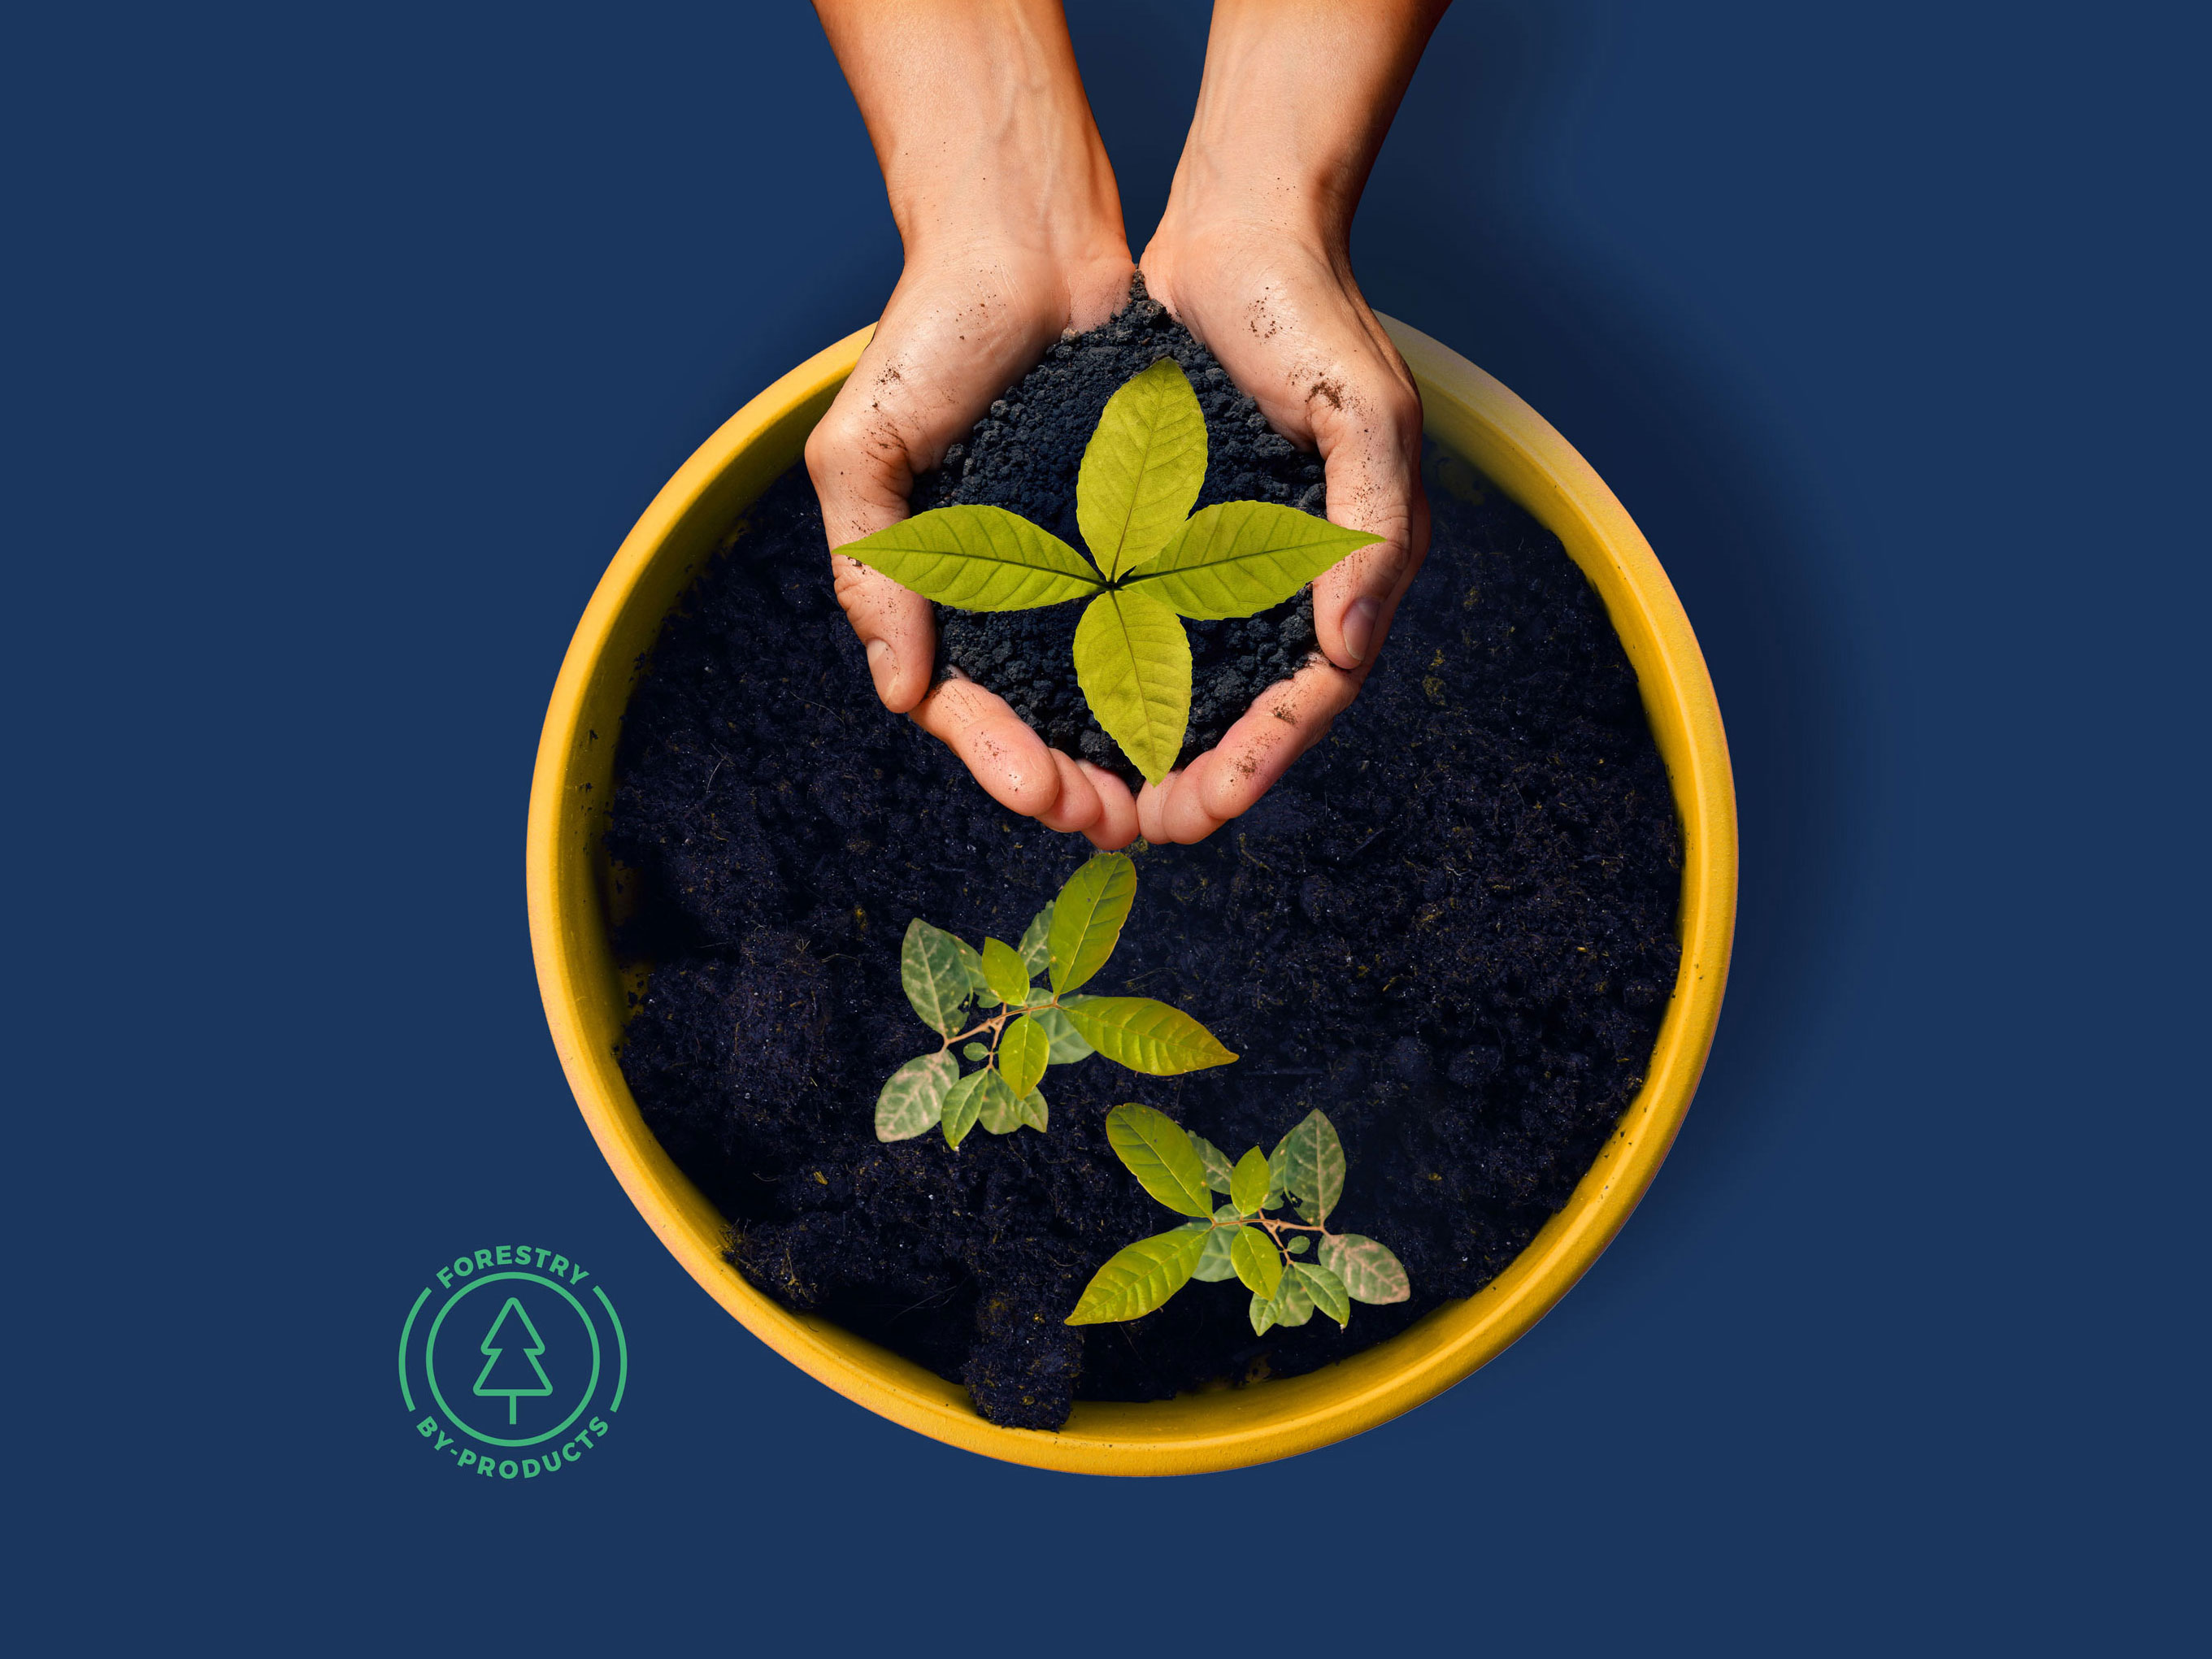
[1152, 562]
[1036, 1026]
[1239, 1240]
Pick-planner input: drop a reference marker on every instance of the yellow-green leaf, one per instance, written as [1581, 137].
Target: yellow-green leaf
[1263, 1315]
[1087, 918]
[1257, 1261]
[963, 1101]
[998, 1108]
[1143, 467]
[1369, 1271]
[977, 558]
[1023, 1052]
[1326, 1290]
[1035, 1112]
[1238, 557]
[1146, 1035]
[1004, 972]
[1313, 1165]
[930, 971]
[1213, 1263]
[1248, 1183]
[1036, 947]
[913, 1097]
[1159, 1154]
[1216, 1162]
[1067, 1044]
[971, 964]
[1140, 1277]
[1132, 662]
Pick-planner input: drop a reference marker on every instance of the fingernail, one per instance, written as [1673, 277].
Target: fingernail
[1359, 619]
[882, 665]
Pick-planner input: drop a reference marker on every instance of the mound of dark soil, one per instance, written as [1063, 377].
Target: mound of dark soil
[1024, 457]
[1451, 926]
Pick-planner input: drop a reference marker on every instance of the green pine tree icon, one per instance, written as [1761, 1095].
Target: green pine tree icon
[494, 1346]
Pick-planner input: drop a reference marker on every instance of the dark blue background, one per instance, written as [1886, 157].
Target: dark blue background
[343, 345]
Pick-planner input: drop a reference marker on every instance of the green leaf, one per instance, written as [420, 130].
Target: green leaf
[1216, 1162]
[1132, 662]
[913, 1097]
[1036, 947]
[1248, 1183]
[974, 1051]
[1297, 1245]
[1087, 918]
[1257, 1261]
[1159, 1154]
[1263, 1315]
[930, 970]
[1278, 1161]
[977, 558]
[1004, 972]
[1035, 1112]
[971, 964]
[1313, 1165]
[1142, 469]
[998, 1109]
[1239, 557]
[1140, 1276]
[1326, 1290]
[1146, 1035]
[1370, 1273]
[1294, 1303]
[1023, 1052]
[1214, 1262]
[1067, 1044]
[964, 1102]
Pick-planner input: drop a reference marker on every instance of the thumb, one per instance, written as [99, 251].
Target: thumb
[861, 472]
[1370, 448]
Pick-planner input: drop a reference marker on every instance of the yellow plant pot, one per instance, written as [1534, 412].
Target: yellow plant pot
[1470, 415]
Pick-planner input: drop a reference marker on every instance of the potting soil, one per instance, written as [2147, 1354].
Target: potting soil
[1451, 926]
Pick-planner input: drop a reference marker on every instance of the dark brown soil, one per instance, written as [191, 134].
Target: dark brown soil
[1451, 926]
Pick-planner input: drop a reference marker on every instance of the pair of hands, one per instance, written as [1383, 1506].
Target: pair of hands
[1013, 234]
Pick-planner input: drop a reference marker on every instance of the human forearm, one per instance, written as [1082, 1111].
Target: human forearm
[980, 124]
[1296, 97]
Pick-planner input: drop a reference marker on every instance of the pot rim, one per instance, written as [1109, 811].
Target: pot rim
[570, 893]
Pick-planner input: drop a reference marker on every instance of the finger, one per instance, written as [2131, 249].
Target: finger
[1152, 810]
[1078, 807]
[1371, 453]
[1117, 809]
[1183, 818]
[1009, 760]
[897, 628]
[1285, 721]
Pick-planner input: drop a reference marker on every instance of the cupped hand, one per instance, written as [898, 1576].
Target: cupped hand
[1281, 311]
[966, 320]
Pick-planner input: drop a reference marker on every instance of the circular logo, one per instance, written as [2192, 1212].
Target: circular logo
[512, 1365]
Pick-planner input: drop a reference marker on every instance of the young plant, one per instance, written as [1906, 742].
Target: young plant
[1155, 562]
[1240, 1239]
[1036, 1025]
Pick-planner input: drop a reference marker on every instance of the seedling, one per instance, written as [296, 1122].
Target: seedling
[1239, 1239]
[1036, 1025]
[1152, 562]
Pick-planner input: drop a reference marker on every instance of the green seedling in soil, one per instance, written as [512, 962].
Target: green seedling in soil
[1239, 1239]
[1035, 1026]
[1153, 560]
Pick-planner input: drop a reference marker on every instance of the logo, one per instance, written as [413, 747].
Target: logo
[512, 1366]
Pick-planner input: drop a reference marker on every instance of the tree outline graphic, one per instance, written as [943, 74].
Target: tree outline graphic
[492, 1348]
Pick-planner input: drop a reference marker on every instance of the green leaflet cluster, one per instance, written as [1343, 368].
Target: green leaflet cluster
[1036, 1025]
[1155, 561]
[1239, 1239]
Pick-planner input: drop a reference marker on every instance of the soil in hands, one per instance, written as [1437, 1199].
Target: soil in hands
[1451, 926]
[1024, 457]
